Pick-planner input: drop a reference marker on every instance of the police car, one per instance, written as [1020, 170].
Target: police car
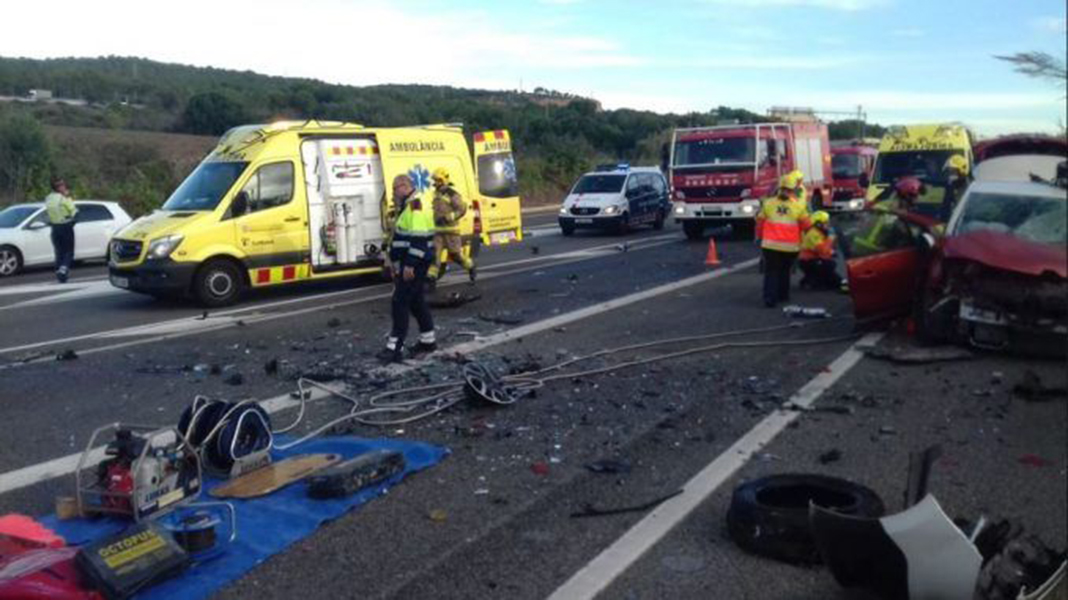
[616, 197]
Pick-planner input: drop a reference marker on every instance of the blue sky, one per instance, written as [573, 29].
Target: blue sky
[902, 60]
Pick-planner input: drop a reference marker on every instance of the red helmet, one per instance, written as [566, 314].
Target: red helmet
[909, 187]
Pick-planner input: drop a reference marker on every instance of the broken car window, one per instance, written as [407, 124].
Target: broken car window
[1032, 218]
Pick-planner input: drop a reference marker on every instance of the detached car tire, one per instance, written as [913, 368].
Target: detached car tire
[769, 516]
[218, 283]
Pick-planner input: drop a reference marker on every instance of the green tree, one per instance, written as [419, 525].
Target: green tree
[212, 113]
[25, 158]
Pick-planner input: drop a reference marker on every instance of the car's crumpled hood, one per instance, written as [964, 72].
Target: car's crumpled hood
[160, 223]
[1008, 252]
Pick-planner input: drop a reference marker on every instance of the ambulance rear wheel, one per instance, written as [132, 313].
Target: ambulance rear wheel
[218, 283]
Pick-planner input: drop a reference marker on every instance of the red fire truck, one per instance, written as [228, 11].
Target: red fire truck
[719, 174]
[851, 167]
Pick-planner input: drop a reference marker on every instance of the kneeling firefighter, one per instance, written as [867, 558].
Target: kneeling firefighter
[449, 208]
[817, 255]
[410, 252]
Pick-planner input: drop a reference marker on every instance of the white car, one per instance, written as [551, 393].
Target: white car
[26, 240]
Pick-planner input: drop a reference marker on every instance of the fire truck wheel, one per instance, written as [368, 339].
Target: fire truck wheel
[694, 230]
[218, 283]
[769, 516]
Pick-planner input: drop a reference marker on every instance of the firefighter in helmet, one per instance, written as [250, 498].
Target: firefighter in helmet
[779, 225]
[817, 255]
[449, 208]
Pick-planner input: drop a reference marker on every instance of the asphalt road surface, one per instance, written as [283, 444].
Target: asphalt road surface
[502, 501]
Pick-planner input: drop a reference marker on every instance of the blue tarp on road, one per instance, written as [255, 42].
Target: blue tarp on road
[266, 525]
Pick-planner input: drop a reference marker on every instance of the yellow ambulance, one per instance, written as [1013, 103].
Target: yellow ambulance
[299, 201]
[918, 151]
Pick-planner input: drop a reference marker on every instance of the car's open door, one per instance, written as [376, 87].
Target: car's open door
[498, 188]
[884, 260]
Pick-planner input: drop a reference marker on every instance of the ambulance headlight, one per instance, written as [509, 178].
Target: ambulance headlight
[611, 210]
[563, 210]
[163, 247]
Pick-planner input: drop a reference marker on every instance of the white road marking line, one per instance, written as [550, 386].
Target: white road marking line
[600, 572]
[198, 323]
[68, 294]
[185, 328]
[46, 287]
[59, 467]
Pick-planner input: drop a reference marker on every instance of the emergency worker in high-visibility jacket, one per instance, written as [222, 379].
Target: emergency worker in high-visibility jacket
[411, 250]
[449, 208]
[62, 215]
[817, 255]
[779, 226]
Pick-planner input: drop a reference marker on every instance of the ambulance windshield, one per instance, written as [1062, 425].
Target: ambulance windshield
[205, 186]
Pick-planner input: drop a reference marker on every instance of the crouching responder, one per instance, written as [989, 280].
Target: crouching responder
[449, 208]
[410, 252]
[61, 214]
[779, 224]
[817, 255]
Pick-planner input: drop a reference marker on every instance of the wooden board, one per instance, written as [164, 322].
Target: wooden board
[275, 476]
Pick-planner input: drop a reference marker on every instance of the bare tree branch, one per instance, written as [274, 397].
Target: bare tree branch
[1037, 64]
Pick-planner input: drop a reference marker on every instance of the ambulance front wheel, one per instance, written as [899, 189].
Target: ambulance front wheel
[218, 283]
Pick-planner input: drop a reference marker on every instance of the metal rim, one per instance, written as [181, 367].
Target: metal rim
[9, 261]
[217, 277]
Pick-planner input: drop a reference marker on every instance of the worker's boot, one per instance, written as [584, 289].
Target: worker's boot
[392, 353]
[472, 273]
[425, 345]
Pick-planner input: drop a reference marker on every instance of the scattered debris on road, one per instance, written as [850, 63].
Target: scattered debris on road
[589, 510]
[913, 355]
[1031, 387]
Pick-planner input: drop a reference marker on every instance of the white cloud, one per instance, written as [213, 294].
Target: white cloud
[842, 5]
[757, 62]
[370, 42]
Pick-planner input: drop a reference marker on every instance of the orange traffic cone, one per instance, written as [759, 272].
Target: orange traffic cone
[712, 260]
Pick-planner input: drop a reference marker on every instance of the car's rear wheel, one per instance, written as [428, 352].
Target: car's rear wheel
[218, 283]
[623, 227]
[694, 230]
[10, 261]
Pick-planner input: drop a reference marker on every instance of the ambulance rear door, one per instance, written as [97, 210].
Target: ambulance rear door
[346, 191]
[498, 187]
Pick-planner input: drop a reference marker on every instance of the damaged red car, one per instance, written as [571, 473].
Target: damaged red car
[996, 279]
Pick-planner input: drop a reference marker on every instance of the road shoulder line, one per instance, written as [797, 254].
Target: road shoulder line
[606, 567]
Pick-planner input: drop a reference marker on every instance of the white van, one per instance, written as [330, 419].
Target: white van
[616, 197]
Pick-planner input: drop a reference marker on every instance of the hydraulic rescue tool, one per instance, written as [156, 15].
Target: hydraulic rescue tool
[145, 471]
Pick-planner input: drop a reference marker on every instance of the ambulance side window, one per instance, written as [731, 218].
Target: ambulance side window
[270, 186]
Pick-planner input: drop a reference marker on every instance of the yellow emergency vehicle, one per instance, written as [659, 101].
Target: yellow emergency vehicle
[298, 201]
[918, 151]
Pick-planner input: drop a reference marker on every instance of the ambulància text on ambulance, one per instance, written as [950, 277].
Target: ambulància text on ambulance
[298, 201]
